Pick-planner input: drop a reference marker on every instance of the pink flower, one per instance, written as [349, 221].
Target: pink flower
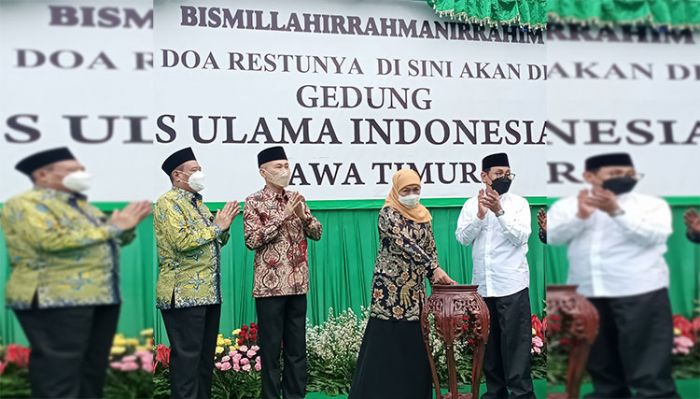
[237, 357]
[696, 325]
[245, 361]
[129, 359]
[251, 353]
[217, 365]
[243, 349]
[130, 366]
[537, 345]
[258, 366]
[226, 359]
[258, 360]
[2, 366]
[232, 353]
[148, 367]
[145, 356]
[682, 345]
[246, 367]
[225, 366]
[255, 348]
[236, 367]
[116, 365]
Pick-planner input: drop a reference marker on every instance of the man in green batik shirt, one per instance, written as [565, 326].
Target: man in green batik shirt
[64, 284]
[188, 294]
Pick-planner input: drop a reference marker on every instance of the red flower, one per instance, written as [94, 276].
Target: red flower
[17, 355]
[552, 324]
[162, 356]
[2, 367]
[564, 342]
[240, 341]
[537, 326]
[696, 325]
[253, 325]
[685, 326]
[244, 328]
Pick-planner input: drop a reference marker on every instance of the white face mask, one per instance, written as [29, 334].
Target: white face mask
[78, 181]
[197, 180]
[410, 201]
[279, 180]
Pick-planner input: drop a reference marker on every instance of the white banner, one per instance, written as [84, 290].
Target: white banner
[627, 89]
[80, 74]
[353, 91]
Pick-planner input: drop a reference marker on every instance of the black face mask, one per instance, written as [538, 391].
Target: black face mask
[620, 185]
[501, 185]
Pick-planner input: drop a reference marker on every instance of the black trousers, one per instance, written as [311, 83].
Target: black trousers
[282, 322]
[70, 349]
[507, 358]
[192, 333]
[632, 353]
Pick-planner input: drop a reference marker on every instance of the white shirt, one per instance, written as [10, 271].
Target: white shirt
[499, 245]
[614, 256]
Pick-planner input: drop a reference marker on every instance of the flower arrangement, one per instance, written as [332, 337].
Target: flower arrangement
[238, 364]
[537, 336]
[686, 352]
[14, 372]
[132, 354]
[137, 368]
[332, 349]
[130, 373]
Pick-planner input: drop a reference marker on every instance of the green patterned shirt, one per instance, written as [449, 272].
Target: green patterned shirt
[189, 251]
[62, 249]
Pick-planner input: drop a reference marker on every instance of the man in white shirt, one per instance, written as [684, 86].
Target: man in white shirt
[616, 241]
[496, 224]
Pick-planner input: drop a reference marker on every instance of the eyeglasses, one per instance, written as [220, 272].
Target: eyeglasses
[509, 176]
[636, 176]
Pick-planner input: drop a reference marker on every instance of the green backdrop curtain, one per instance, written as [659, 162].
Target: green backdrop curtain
[341, 266]
[530, 13]
[672, 13]
[678, 14]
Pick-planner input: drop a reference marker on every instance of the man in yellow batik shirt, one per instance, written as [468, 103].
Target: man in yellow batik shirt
[64, 284]
[188, 294]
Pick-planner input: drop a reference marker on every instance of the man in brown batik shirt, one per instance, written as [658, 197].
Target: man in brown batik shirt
[277, 223]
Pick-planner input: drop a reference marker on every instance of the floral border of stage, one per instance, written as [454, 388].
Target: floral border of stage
[139, 367]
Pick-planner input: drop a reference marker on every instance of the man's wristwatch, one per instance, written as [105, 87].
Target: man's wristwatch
[500, 213]
[618, 212]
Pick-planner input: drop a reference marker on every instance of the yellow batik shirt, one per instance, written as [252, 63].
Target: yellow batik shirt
[189, 251]
[62, 249]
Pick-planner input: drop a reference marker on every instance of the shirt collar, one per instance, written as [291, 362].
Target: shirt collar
[62, 195]
[270, 193]
[192, 197]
